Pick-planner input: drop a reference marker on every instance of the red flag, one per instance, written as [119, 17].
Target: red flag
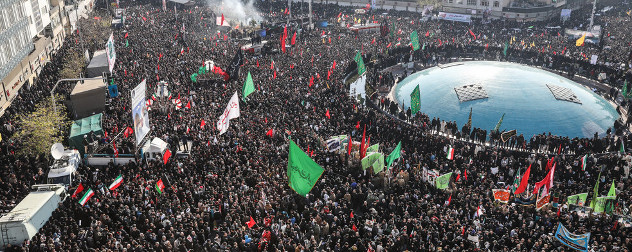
[389, 45]
[257, 63]
[311, 81]
[270, 133]
[373, 41]
[322, 34]
[202, 124]
[327, 114]
[458, 176]
[558, 211]
[523, 182]
[283, 38]
[358, 125]
[251, 223]
[126, 34]
[272, 65]
[351, 215]
[166, 156]
[362, 144]
[115, 149]
[274, 77]
[486, 46]
[293, 39]
[465, 174]
[546, 182]
[188, 105]
[329, 40]
[144, 19]
[463, 231]
[440, 43]
[355, 229]
[222, 22]
[428, 33]
[349, 146]
[78, 190]
[449, 199]
[472, 33]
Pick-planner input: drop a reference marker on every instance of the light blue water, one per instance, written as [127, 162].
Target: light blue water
[518, 91]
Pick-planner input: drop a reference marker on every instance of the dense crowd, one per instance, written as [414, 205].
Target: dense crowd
[227, 179]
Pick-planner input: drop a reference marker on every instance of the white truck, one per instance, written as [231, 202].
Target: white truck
[64, 168]
[26, 219]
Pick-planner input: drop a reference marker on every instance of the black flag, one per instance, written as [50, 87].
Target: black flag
[507, 135]
[233, 69]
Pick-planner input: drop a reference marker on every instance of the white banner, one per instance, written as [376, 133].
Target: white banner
[357, 87]
[231, 111]
[565, 13]
[593, 59]
[455, 17]
[140, 116]
[110, 52]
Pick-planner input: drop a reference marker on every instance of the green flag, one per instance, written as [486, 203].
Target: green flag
[423, 47]
[577, 199]
[595, 192]
[302, 171]
[248, 88]
[194, 77]
[394, 154]
[373, 148]
[613, 192]
[443, 181]
[414, 39]
[392, 29]
[516, 182]
[126, 43]
[622, 150]
[625, 92]
[499, 123]
[414, 101]
[202, 70]
[505, 49]
[360, 62]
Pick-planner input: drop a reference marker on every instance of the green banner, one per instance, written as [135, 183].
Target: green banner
[302, 171]
[577, 199]
[248, 88]
[505, 49]
[361, 67]
[378, 165]
[443, 181]
[369, 159]
[194, 77]
[415, 105]
[414, 39]
[202, 70]
[373, 148]
[600, 205]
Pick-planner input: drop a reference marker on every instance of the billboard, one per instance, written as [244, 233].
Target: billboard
[140, 117]
[110, 52]
[455, 17]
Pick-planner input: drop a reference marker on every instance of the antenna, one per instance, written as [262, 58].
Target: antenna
[57, 150]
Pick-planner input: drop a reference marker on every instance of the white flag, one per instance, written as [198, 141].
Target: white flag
[231, 111]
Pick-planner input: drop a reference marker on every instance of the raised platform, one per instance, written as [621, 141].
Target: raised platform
[470, 92]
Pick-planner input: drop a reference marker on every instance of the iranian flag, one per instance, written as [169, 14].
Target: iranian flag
[160, 186]
[450, 155]
[86, 197]
[584, 162]
[117, 182]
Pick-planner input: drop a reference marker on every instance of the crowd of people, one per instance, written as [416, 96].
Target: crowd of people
[229, 179]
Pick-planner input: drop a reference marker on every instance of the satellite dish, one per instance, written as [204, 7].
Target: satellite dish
[57, 150]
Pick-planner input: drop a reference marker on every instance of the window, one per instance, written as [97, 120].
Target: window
[471, 2]
[496, 4]
[484, 3]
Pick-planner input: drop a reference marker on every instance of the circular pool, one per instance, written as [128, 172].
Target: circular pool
[524, 94]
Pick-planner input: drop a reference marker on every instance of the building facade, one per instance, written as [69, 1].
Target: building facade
[508, 9]
[31, 31]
